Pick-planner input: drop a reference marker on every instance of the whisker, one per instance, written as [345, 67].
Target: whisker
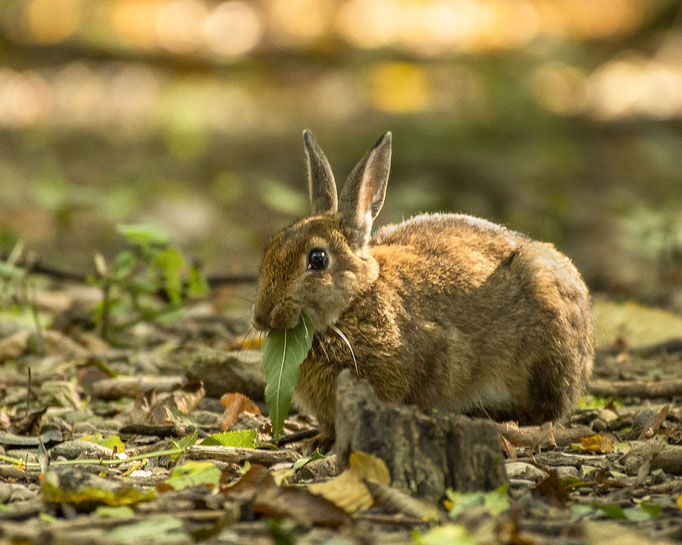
[325, 352]
[345, 339]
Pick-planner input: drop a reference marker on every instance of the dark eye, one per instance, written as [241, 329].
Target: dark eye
[317, 260]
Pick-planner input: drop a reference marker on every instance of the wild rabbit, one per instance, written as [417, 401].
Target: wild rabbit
[441, 311]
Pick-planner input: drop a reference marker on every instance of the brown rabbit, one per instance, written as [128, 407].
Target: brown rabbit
[441, 311]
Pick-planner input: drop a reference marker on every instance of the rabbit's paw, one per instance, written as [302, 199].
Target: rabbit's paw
[323, 442]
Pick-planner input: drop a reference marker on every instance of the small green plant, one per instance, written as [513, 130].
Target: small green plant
[16, 285]
[148, 280]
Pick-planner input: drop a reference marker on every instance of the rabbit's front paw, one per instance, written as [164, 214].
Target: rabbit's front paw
[323, 442]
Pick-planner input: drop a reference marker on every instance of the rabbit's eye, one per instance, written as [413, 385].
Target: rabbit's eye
[317, 260]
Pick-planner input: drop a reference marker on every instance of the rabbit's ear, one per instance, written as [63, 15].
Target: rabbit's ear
[364, 191]
[321, 185]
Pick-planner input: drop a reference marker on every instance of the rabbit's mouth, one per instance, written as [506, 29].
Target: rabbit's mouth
[285, 315]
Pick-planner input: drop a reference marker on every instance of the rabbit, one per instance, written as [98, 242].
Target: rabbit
[444, 311]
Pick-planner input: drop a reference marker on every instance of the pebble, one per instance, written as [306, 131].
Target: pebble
[643, 418]
[524, 470]
[564, 472]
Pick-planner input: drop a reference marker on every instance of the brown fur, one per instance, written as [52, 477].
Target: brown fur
[442, 311]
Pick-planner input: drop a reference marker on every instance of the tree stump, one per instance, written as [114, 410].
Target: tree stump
[426, 453]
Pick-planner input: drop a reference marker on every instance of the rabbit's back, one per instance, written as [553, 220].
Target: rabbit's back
[507, 318]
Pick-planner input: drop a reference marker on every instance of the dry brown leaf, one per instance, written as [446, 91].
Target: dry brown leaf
[400, 502]
[655, 423]
[258, 486]
[507, 447]
[551, 491]
[298, 503]
[184, 399]
[348, 490]
[595, 443]
[235, 404]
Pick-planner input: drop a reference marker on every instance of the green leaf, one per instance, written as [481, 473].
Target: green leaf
[120, 512]
[10, 272]
[170, 261]
[123, 264]
[198, 287]
[494, 501]
[579, 511]
[613, 511]
[124, 495]
[143, 235]
[283, 353]
[183, 443]
[448, 534]
[110, 441]
[161, 528]
[237, 439]
[193, 473]
[651, 508]
[298, 464]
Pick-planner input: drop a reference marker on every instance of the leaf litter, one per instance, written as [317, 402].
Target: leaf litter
[614, 468]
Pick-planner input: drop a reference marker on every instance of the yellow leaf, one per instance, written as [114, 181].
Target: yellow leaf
[679, 501]
[347, 490]
[595, 443]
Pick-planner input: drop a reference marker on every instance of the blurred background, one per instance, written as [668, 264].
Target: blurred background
[559, 119]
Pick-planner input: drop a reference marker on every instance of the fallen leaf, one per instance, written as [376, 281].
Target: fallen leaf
[495, 501]
[595, 443]
[348, 490]
[655, 423]
[82, 489]
[183, 443]
[246, 487]
[398, 501]
[298, 464]
[298, 503]
[235, 404]
[258, 486]
[507, 447]
[120, 512]
[679, 501]
[30, 424]
[551, 490]
[160, 528]
[183, 401]
[448, 534]
[192, 473]
[237, 439]
[110, 441]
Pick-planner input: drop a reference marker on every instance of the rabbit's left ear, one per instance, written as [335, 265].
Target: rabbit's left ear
[363, 193]
[321, 185]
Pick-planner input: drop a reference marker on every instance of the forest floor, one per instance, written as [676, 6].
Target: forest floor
[104, 443]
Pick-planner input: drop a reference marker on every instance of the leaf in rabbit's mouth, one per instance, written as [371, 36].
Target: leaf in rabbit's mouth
[283, 353]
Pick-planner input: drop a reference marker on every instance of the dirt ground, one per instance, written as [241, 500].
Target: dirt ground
[108, 443]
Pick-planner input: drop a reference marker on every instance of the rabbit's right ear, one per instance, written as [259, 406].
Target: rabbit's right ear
[363, 193]
[321, 185]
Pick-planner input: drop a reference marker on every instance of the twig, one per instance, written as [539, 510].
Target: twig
[240, 455]
[36, 465]
[648, 390]
[298, 436]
